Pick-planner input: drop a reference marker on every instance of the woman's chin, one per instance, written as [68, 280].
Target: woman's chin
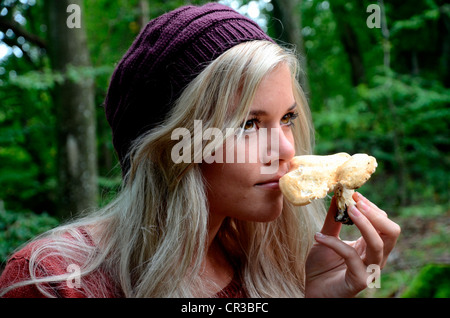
[266, 213]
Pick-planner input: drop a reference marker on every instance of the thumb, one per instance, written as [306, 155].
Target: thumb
[330, 226]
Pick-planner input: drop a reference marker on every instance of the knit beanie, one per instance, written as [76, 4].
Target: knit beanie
[164, 58]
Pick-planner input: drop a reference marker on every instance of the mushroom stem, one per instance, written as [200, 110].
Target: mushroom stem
[343, 201]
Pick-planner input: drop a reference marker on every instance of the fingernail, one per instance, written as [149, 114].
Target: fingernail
[320, 235]
[353, 211]
[362, 206]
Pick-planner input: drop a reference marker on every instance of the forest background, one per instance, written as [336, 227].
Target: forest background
[377, 82]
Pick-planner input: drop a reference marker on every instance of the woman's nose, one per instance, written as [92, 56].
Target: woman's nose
[279, 146]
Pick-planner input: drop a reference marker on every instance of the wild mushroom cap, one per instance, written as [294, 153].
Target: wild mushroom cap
[312, 177]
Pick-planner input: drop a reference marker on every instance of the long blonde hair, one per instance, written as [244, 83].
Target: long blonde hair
[151, 238]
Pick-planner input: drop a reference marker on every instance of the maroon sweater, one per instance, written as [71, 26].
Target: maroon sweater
[17, 270]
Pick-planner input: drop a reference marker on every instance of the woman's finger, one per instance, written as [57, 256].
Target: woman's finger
[359, 197]
[356, 274]
[389, 231]
[384, 225]
[330, 226]
[374, 252]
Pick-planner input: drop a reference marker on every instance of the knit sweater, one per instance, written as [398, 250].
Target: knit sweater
[17, 270]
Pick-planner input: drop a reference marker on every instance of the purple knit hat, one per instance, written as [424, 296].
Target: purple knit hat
[168, 53]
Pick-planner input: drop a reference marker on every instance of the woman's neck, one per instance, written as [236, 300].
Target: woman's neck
[217, 272]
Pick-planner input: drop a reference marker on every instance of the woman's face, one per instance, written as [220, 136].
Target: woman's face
[249, 190]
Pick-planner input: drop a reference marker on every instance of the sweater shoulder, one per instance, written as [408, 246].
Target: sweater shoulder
[41, 259]
[17, 272]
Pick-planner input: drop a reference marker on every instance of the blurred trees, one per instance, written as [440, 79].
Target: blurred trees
[289, 32]
[397, 111]
[73, 100]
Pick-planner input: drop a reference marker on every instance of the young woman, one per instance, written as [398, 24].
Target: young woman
[192, 220]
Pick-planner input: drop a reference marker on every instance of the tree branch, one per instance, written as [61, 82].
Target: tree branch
[20, 31]
[27, 57]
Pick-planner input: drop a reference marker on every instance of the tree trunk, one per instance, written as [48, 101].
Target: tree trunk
[75, 112]
[395, 123]
[349, 40]
[288, 12]
[144, 13]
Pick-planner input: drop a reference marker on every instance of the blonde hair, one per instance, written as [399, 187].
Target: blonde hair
[151, 238]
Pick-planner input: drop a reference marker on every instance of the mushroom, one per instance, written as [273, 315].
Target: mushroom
[313, 177]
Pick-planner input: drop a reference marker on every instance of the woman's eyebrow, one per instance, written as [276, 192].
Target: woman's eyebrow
[257, 112]
[292, 107]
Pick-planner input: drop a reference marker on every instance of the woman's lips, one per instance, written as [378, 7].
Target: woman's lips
[270, 185]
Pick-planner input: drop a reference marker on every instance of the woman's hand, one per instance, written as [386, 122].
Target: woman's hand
[336, 268]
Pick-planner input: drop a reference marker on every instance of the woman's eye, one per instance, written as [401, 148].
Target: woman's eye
[250, 125]
[288, 118]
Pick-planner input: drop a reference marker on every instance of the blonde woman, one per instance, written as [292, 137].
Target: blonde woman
[201, 90]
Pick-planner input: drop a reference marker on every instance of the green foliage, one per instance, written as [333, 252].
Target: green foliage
[16, 228]
[46, 79]
[433, 281]
[424, 211]
[27, 152]
[109, 187]
[417, 117]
